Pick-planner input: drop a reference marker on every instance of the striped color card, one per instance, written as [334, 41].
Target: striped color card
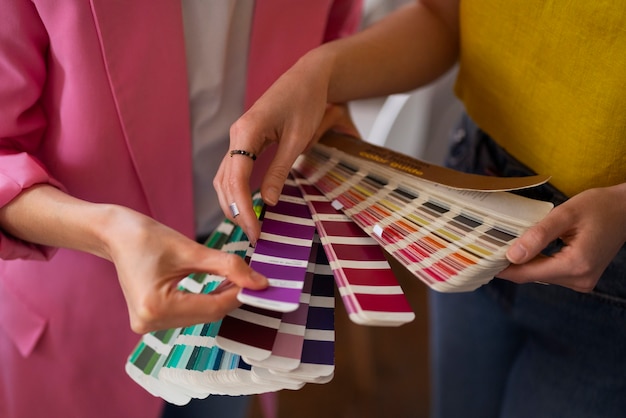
[287, 349]
[249, 331]
[318, 352]
[366, 282]
[282, 254]
[193, 353]
[453, 240]
[197, 364]
[146, 361]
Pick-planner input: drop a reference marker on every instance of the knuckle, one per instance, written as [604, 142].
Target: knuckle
[231, 182]
[581, 269]
[139, 327]
[146, 315]
[584, 275]
[239, 127]
[535, 236]
[232, 262]
[278, 172]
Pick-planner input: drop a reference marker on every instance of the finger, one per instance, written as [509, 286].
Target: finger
[539, 236]
[203, 308]
[540, 269]
[232, 184]
[218, 181]
[174, 308]
[564, 269]
[288, 150]
[222, 300]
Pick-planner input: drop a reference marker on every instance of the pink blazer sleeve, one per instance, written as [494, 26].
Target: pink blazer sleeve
[23, 44]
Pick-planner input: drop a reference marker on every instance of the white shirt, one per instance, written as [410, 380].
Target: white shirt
[217, 36]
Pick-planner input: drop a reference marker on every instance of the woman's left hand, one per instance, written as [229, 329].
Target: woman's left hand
[592, 226]
[253, 132]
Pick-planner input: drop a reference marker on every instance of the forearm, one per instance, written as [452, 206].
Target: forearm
[45, 215]
[407, 49]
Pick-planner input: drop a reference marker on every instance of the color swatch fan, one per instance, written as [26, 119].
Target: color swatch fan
[184, 363]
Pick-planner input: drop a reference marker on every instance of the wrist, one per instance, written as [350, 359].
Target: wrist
[111, 225]
[316, 67]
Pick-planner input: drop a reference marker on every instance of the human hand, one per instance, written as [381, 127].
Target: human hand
[290, 114]
[151, 259]
[592, 226]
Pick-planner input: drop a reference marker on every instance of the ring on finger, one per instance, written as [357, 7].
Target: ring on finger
[244, 153]
[234, 210]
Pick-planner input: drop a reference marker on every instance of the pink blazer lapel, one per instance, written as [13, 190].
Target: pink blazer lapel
[142, 43]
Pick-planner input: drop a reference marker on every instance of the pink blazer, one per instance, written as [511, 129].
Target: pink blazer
[93, 99]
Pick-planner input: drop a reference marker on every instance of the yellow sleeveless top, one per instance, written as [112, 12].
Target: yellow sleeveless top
[547, 80]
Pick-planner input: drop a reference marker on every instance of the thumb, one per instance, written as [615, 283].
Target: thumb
[235, 269]
[537, 237]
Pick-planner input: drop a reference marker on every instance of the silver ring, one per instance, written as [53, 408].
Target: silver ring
[244, 153]
[234, 210]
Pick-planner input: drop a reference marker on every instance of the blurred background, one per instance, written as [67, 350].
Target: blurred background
[382, 371]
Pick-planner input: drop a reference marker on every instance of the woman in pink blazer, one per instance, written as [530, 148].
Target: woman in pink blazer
[96, 187]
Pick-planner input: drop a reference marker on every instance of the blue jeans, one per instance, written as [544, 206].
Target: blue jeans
[531, 350]
[214, 406]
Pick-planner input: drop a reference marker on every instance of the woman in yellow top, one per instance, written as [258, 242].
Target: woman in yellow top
[544, 87]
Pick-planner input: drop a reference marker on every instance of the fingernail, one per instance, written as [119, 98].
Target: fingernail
[272, 195]
[258, 277]
[516, 254]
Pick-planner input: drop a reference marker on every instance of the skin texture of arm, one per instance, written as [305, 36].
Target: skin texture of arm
[149, 257]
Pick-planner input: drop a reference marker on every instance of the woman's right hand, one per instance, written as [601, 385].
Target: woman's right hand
[151, 259]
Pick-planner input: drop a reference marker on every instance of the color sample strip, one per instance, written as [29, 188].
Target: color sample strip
[286, 239]
[143, 367]
[249, 331]
[367, 285]
[287, 348]
[193, 353]
[432, 243]
[453, 240]
[199, 365]
[447, 254]
[282, 254]
[318, 351]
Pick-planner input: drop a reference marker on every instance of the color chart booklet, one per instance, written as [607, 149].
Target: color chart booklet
[449, 229]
